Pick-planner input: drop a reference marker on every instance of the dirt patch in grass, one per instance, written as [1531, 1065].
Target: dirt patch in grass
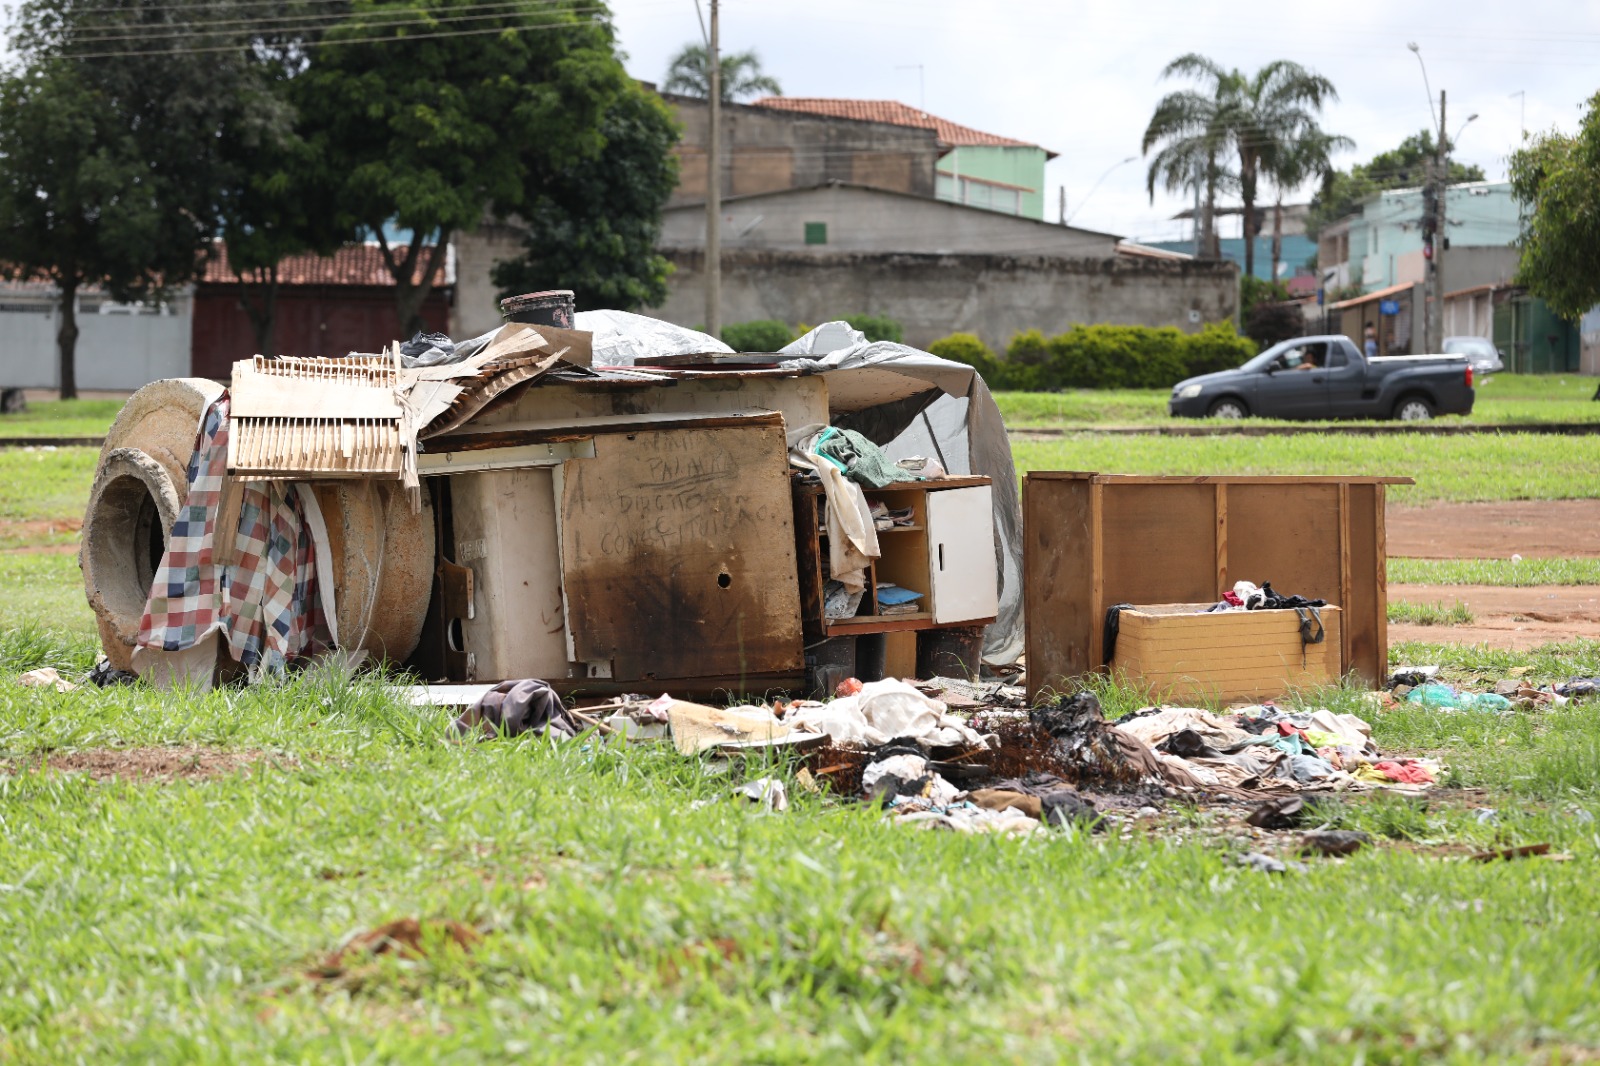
[155, 764]
[1530, 528]
[1505, 617]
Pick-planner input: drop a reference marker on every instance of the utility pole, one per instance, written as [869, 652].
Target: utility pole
[1433, 238]
[714, 184]
[1063, 191]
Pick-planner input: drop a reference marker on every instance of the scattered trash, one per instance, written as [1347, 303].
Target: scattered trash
[1282, 813]
[517, 707]
[1525, 851]
[1269, 865]
[767, 792]
[881, 710]
[1412, 675]
[45, 677]
[1333, 842]
[1443, 697]
[104, 675]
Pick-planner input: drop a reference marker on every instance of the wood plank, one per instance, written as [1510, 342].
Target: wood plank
[1344, 564]
[1158, 543]
[900, 654]
[1057, 585]
[515, 434]
[678, 553]
[890, 623]
[808, 556]
[1221, 535]
[1097, 570]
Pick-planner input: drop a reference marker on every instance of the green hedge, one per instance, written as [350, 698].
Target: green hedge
[762, 335]
[1100, 357]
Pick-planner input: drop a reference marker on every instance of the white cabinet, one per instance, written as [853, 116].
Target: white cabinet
[962, 575]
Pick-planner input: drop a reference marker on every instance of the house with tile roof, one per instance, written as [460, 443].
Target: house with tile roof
[975, 168]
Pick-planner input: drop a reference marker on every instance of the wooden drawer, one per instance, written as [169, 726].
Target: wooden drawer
[1177, 655]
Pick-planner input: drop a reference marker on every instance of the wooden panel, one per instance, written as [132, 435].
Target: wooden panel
[678, 554]
[808, 557]
[960, 549]
[1288, 535]
[505, 531]
[1366, 613]
[900, 655]
[1160, 543]
[1228, 656]
[1057, 580]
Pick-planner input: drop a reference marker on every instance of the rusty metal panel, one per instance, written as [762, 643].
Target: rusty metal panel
[678, 553]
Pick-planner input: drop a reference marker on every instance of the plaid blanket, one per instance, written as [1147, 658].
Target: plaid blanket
[266, 603]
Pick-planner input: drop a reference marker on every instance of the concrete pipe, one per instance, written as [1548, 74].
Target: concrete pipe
[382, 558]
[162, 420]
[131, 510]
[140, 483]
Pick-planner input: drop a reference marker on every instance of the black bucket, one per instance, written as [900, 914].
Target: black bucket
[954, 652]
[829, 663]
[553, 308]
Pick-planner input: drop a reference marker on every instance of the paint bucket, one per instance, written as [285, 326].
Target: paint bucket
[553, 308]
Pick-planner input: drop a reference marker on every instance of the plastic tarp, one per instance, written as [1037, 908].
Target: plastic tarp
[952, 418]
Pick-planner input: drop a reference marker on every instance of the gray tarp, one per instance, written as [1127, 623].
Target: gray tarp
[954, 420]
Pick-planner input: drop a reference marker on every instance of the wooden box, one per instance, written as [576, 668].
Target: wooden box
[1092, 540]
[1179, 655]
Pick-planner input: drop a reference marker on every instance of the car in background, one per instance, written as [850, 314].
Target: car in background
[1485, 358]
[1327, 376]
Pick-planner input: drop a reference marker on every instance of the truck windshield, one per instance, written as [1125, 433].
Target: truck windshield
[1260, 362]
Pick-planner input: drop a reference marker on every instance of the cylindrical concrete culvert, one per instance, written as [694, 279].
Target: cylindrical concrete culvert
[381, 554]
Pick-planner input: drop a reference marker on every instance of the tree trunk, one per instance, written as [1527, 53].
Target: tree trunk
[1247, 193]
[1277, 236]
[409, 294]
[67, 339]
[263, 319]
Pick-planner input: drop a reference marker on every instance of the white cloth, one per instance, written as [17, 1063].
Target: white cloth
[881, 711]
[852, 537]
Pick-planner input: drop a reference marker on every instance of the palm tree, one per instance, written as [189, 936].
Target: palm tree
[690, 75]
[1261, 116]
[1309, 158]
[1191, 157]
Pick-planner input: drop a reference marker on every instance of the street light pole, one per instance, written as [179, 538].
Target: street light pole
[1095, 186]
[1433, 221]
[714, 183]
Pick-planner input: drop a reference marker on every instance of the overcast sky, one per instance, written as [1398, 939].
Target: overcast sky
[1082, 77]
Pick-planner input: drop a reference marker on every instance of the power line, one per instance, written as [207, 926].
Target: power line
[406, 39]
[155, 31]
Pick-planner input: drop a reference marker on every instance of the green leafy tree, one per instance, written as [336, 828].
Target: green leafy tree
[1557, 177]
[1310, 158]
[113, 135]
[689, 74]
[1404, 167]
[1191, 157]
[1260, 117]
[430, 130]
[592, 226]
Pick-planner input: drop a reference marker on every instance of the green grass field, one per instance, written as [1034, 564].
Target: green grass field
[630, 911]
[61, 418]
[1515, 466]
[1504, 398]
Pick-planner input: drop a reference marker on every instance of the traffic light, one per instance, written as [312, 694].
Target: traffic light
[1430, 212]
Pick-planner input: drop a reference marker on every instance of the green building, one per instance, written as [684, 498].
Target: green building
[974, 168]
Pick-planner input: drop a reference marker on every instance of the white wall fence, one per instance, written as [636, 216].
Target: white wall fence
[120, 346]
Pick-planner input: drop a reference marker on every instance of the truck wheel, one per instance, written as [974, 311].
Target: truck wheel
[1413, 409]
[1228, 407]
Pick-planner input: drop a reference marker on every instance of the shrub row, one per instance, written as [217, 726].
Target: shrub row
[768, 335]
[1100, 357]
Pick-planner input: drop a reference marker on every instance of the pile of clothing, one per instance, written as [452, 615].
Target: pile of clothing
[1266, 747]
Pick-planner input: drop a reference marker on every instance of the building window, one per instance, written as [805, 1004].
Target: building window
[816, 233]
[944, 187]
[975, 192]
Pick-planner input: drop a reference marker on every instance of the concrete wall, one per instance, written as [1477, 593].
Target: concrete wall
[477, 305]
[766, 149]
[116, 351]
[1019, 166]
[933, 296]
[869, 220]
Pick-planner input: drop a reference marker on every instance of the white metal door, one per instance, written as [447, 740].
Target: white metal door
[961, 566]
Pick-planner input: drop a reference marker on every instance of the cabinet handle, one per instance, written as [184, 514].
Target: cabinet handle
[941, 558]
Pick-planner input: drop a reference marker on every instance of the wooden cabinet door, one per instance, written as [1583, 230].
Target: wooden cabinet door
[961, 564]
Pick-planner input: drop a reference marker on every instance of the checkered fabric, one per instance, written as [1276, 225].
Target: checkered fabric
[266, 603]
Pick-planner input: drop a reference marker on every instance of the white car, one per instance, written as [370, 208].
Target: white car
[1485, 358]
